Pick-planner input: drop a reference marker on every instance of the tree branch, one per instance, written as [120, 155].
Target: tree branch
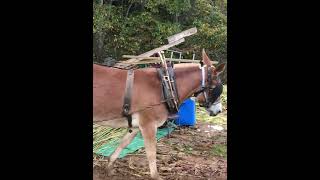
[129, 9]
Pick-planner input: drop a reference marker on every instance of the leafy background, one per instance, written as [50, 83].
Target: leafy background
[133, 27]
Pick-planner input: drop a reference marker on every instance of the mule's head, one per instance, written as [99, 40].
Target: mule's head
[211, 89]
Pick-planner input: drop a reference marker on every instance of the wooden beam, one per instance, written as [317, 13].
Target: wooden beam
[151, 52]
[182, 34]
[148, 60]
[140, 57]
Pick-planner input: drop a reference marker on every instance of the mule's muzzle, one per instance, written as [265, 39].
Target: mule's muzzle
[211, 113]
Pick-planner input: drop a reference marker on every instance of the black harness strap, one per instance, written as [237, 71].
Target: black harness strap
[166, 92]
[160, 75]
[216, 92]
[174, 84]
[127, 98]
[199, 92]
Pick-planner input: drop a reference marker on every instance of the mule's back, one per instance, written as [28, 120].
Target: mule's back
[108, 88]
[108, 91]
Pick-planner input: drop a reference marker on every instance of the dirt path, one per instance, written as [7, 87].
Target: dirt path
[189, 153]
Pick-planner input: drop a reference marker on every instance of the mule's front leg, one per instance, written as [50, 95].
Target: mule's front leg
[148, 132]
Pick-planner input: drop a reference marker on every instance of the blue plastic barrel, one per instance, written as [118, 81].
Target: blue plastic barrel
[187, 113]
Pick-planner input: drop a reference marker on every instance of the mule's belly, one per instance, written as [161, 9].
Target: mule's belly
[118, 122]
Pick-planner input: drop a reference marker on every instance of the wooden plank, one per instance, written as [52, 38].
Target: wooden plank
[182, 34]
[151, 52]
[148, 60]
[139, 57]
[120, 65]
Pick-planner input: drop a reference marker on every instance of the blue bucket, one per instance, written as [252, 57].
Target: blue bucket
[187, 113]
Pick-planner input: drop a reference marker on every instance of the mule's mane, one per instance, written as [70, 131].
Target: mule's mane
[183, 65]
[186, 67]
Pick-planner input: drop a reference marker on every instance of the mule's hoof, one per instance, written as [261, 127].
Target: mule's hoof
[110, 171]
[157, 177]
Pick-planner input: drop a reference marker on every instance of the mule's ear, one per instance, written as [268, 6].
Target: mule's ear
[220, 68]
[205, 58]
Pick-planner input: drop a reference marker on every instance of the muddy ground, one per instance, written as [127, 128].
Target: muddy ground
[189, 153]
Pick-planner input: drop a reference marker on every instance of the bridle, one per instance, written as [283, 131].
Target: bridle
[210, 92]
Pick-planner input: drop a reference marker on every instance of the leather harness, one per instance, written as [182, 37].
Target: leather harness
[211, 94]
[127, 98]
[169, 91]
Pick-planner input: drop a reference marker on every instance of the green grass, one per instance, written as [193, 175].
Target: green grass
[219, 150]
[220, 119]
[187, 149]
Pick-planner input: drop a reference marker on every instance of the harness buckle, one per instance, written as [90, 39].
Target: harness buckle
[166, 78]
[126, 109]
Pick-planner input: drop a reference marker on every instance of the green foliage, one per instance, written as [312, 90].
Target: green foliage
[136, 26]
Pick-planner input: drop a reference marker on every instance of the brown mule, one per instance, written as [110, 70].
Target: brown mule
[147, 109]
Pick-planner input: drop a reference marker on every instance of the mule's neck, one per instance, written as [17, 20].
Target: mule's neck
[188, 79]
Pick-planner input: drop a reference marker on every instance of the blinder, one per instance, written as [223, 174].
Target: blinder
[211, 94]
[214, 93]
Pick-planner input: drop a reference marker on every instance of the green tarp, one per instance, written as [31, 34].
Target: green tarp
[137, 143]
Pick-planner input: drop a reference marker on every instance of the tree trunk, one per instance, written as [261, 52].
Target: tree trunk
[100, 2]
[98, 46]
[127, 14]
[176, 18]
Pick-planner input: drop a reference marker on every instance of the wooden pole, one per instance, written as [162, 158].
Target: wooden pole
[148, 60]
[182, 34]
[159, 49]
